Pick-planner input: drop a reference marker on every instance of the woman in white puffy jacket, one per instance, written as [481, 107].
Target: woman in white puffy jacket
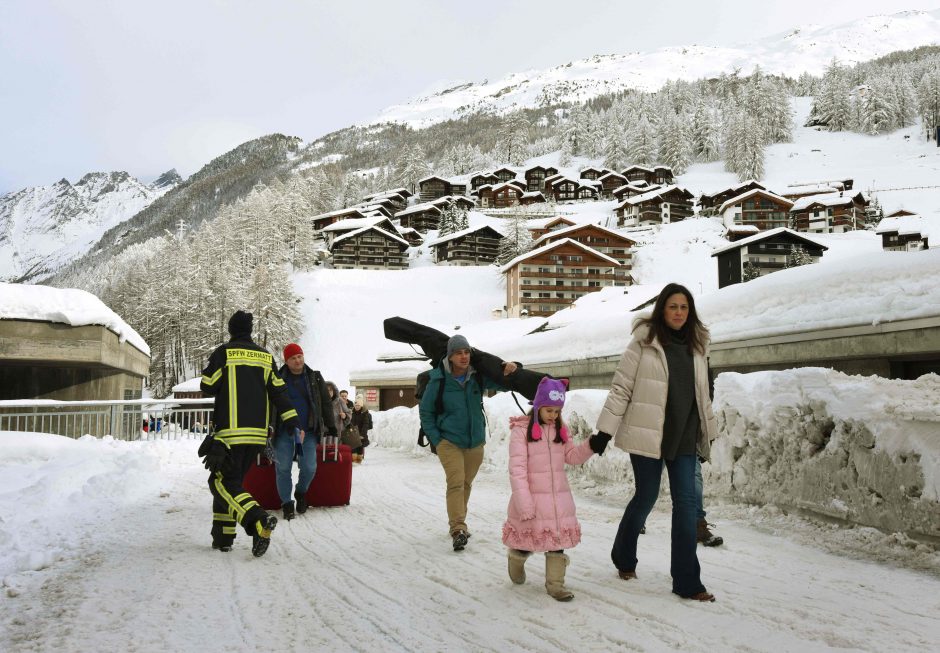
[659, 411]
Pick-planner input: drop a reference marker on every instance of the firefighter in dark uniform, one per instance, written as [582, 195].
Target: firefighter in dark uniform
[242, 378]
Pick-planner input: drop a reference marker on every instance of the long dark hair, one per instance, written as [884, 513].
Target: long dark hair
[693, 331]
[332, 386]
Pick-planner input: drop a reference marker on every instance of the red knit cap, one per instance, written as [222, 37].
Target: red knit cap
[292, 350]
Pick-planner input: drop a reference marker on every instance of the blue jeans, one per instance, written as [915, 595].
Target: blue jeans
[684, 567]
[699, 491]
[283, 460]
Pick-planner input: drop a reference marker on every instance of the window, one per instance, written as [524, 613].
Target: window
[545, 295]
[526, 294]
[574, 259]
[594, 270]
[594, 284]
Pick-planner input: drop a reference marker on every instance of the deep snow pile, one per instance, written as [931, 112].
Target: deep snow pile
[864, 449]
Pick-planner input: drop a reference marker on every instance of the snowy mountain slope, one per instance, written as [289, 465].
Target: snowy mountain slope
[805, 49]
[44, 227]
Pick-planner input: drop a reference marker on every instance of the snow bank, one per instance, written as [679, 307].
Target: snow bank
[49, 479]
[863, 449]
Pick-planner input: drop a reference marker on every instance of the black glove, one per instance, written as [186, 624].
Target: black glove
[214, 460]
[598, 442]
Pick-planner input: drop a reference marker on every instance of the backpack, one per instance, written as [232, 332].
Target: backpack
[421, 384]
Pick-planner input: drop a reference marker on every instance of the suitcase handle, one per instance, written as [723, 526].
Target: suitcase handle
[335, 439]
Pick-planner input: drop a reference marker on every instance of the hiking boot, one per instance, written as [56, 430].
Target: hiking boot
[301, 503]
[224, 548]
[704, 597]
[262, 539]
[288, 510]
[460, 540]
[704, 536]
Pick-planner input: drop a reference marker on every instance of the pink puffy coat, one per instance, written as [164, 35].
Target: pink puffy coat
[541, 509]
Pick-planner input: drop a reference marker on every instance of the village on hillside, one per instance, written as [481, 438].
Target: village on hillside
[561, 259]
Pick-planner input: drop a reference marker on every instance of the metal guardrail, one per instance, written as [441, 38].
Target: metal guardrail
[138, 419]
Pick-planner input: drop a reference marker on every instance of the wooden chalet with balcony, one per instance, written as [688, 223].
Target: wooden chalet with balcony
[611, 181]
[479, 179]
[608, 242]
[434, 187]
[660, 206]
[709, 202]
[766, 252]
[552, 277]
[636, 173]
[539, 228]
[831, 213]
[663, 176]
[536, 175]
[422, 217]
[500, 196]
[592, 173]
[474, 246]
[370, 248]
[903, 231]
[505, 174]
[551, 179]
[460, 201]
[412, 236]
[759, 208]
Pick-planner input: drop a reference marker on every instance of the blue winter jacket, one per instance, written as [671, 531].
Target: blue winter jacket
[462, 422]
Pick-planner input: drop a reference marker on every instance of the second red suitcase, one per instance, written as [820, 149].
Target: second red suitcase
[332, 484]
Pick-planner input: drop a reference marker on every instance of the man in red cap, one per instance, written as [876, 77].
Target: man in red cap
[307, 391]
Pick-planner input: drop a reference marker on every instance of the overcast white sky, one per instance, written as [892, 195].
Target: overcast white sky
[147, 86]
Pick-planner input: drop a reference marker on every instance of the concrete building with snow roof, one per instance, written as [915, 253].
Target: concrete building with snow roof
[903, 231]
[765, 253]
[829, 213]
[661, 206]
[66, 344]
[550, 278]
[758, 208]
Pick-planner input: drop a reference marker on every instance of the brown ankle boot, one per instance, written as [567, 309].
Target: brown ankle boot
[704, 536]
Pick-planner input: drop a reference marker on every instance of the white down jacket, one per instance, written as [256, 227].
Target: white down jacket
[635, 409]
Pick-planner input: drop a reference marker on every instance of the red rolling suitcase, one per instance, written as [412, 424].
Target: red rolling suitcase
[332, 484]
[260, 482]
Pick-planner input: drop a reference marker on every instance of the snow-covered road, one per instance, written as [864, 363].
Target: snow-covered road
[380, 575]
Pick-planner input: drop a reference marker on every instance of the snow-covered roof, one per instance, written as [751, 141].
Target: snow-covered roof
[418, 208]
[505, 185]
[192, 385]
[743, 229]
[824, 199]
[904, 225]
[574, 228]
[651, 195]
[430, 177]
[542, 223]
[533, 193]
[752, 193]
[764, 235]
[459, 234]
[353, 234]
[812, 189]
[64, 306]
[551, 246]
[351, 224]
[643, 168]
[743, 184]
[338, 212]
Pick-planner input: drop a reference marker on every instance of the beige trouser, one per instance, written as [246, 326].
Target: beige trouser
[460, 468]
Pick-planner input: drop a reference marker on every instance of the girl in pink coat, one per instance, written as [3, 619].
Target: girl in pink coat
[541, 509]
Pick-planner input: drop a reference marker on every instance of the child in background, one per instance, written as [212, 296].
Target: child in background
[541, 509]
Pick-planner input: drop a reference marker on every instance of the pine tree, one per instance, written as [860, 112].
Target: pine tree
[641, 142]
[928, 100]
[751, 271]
[798, 256]
[744, 148]
[512, 137]
[877, 107]
[616, 156]
[833, 105]
[675, 146]
[516, 240]
[706, 133]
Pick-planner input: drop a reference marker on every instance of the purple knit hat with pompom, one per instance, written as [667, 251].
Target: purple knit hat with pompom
[551, 392]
